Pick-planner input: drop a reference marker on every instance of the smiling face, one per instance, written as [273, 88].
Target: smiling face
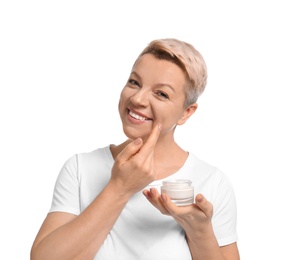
[154, 93]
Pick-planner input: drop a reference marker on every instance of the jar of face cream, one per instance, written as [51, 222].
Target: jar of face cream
[181, 192]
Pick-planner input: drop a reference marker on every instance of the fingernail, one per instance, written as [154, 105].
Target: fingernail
[138, 141]
[146, 194]
[159, 126]
[199, 198]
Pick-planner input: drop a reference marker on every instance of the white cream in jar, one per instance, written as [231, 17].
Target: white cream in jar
[181, 192]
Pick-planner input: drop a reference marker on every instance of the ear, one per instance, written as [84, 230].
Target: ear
[188, 112]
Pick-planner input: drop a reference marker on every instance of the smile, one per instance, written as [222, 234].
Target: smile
[138, 117]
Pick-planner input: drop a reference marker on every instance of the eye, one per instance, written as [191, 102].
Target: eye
[133, 82]
[162, 95]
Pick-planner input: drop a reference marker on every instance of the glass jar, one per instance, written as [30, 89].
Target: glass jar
[181, 192]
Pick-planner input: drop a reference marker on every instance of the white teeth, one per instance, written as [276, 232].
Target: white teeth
[138, 117]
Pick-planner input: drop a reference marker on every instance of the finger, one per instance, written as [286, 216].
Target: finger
[131, 149]
[175, 210]
[155, 199]
[204, 204]
[152, 139]
[168, 204]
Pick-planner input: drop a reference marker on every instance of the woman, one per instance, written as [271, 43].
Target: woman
[106, 203]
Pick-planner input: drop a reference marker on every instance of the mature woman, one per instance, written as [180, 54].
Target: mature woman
[107, 203]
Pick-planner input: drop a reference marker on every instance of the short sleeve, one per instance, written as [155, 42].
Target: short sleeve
[225, 214]
[66, 196]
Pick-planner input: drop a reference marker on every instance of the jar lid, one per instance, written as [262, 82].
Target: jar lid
[180, 184]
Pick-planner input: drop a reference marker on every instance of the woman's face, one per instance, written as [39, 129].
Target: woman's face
[154, 93]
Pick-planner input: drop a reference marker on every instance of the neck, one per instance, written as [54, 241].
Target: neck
[169, 158]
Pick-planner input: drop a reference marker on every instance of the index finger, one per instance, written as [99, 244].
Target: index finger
[152, 139]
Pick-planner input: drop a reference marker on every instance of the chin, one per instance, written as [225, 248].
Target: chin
[133, 134]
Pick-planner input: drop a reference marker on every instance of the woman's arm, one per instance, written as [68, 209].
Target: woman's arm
[66, 236]
[200, 237]
[196, 222]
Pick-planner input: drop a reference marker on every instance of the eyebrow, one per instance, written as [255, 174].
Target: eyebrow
[158, 85]
[133, 72]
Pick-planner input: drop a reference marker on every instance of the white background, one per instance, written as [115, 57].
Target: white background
[64, 63]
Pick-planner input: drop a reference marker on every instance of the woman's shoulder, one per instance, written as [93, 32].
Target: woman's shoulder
[200, 165]
[84, 158]
[204, 171]
[100, 154]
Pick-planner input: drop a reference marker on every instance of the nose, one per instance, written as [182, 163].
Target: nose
[140, 98]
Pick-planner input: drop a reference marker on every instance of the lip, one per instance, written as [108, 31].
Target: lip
[139, 113]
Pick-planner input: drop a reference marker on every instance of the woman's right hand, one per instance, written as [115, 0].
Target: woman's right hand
[134, 167]
[133, 170]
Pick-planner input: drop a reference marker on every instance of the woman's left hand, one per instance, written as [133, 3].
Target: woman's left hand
[195, 219]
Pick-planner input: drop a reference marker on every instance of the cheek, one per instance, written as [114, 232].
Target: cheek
[119, 104]
[171, 118]
[124, 95]
[123, 103]
[121, 99]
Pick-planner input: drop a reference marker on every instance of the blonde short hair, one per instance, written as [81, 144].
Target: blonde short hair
[187, 58]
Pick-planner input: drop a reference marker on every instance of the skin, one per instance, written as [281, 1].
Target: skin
[154, 91]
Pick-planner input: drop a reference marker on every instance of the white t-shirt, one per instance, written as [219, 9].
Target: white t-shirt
[141, 232]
